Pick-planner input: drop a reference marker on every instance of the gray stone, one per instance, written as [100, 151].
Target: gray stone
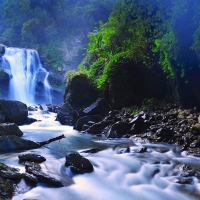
[10, 129]
[84, 120]
[13, 142]
[15, 111]
[31, 157]
[78, 164]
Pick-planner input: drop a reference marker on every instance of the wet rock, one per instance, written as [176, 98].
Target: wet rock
[117, 130]
[29, 121]
[97, 108]
[2, 49]
[84, 120]
[142, 150]
[90, 151]
[6, 189]
[31, 178]
[33, 165]
[183, 180]
[31, 157]
[10, 129]
[13, 142]
[78, 164]
[15, 111]
[65, 114]
[9, 172]
[99, 127]
[45, 178]
[165, 132]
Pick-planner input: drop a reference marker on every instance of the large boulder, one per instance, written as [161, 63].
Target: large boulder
[13, 142]
[78, 164]
[65, 114]
[10, 129]
[84, 120]
[80, 92]
[15, 111]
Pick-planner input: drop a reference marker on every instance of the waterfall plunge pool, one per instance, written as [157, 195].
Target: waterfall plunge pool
[140, 176]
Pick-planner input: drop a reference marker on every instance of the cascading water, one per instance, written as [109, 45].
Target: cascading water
[28, 82]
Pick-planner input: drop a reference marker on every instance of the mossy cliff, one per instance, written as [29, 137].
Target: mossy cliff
[147, 49]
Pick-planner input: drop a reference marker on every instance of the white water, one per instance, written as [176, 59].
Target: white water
[25, 66]
[129, 176]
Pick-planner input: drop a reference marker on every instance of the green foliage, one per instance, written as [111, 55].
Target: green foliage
[147, 104]
[52, 53]
[148, 33]
[45, 23]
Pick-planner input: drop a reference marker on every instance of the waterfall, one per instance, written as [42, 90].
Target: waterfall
[28, 82]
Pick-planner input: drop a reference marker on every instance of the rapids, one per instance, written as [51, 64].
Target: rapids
[118, 176]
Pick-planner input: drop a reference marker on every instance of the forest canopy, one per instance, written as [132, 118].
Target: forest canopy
[45, 24]
[151, 33]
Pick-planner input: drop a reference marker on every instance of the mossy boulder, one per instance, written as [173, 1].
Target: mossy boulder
[80, 92]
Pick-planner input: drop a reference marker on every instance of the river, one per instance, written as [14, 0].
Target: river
[151, 175]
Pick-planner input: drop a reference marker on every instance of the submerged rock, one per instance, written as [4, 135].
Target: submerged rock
[31, 157]
[15, 111]
[10, 129]
[13, 142]
[78, 164]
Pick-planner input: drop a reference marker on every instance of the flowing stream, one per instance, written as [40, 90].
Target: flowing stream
[119, 176]
[28, 79]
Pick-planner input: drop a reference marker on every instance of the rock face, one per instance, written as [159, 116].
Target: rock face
[79, 92]
[10, 129]
[15, 111]
[13, 142]
[78, 164]
[65, 114]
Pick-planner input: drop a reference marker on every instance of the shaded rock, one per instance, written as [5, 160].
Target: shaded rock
[29, 120]
[165, 132]
[183, 180]
[91, 151]
[9, 172]
[45, 178]
[33, 165]
[78, 164]
[15, 111]
[13, 142]
[31, 157]
[10, 129]
[142, 150]
[2, 117]
[65, 114]
[117, 130]
[6, 189]
[84, 120]
[31, 178]
[80, 91]
[97, 108]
